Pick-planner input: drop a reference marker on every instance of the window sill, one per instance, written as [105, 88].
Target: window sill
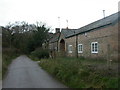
[70, 52]
[94, 52]
[80, 52]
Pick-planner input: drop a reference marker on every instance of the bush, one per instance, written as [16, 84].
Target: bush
[40, 53]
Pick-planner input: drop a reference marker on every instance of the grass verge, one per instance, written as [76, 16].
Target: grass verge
[8, 56]
[82, 73]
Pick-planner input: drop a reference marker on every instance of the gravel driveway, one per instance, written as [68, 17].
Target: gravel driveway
[25, 73]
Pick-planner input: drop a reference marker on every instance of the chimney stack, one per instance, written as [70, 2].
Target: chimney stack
[104, 13]
[67, 24]
[57, 30]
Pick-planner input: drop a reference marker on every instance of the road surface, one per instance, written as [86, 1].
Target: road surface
[0, 84]
[25, 73]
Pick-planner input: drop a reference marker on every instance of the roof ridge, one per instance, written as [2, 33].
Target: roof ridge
[100, 19]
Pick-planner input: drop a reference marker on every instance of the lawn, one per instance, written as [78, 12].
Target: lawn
[82, 73]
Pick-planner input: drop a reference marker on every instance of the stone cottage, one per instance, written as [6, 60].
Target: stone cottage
[53, 43]
[95, 40]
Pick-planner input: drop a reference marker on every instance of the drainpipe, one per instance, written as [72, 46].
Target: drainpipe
[76, 45]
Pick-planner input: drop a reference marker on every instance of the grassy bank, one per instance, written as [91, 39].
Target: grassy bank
[7, 57]
[82, 73]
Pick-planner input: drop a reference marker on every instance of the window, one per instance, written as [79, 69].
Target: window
[94, 47]
[69, 48]
[80, 48]
[55, 48]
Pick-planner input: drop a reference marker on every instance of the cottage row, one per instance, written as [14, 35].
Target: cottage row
[95, 40]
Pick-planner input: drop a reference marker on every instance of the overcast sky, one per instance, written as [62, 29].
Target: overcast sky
[77, 12]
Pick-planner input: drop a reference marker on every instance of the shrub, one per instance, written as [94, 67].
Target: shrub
[40, 53]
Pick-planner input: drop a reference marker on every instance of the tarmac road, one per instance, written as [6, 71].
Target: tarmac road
[0, 84]
[25, 73]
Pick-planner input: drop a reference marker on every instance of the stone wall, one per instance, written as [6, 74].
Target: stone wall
[107, 38]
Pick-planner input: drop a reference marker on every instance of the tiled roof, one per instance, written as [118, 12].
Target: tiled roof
[55, 37]
[92, 26]
[102, 22]
[50, 35]
[68, 32]
[97, 24]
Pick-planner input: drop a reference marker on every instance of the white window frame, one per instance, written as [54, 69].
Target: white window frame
[55, 48]
[69, 48]
[80, 48]
[93, 47]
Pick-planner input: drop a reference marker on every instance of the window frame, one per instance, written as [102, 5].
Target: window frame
[69, 48]
[94, 49]
[80, 50]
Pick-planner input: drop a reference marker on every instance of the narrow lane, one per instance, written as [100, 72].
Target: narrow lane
[25, 73]
[0, 84]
